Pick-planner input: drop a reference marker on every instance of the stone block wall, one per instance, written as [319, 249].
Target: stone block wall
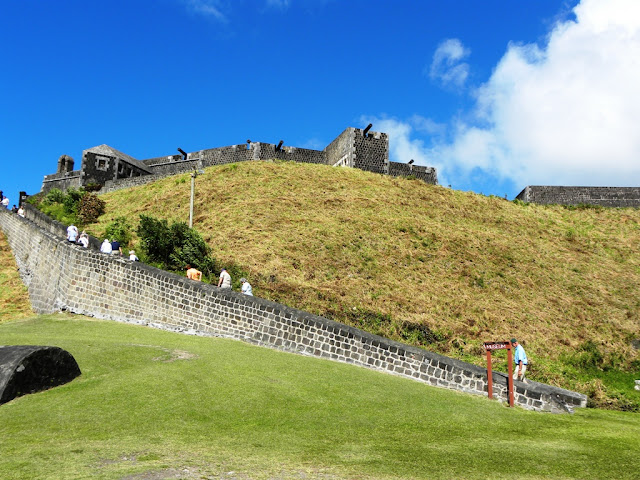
[341, 152]
[63, 276]
[426, 174]
[61, 181]
[371, 151]
[603, 196]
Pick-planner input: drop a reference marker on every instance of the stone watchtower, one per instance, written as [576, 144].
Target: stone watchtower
[357, 148]
[65, 164]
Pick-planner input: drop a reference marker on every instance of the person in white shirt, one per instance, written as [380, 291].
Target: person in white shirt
[84, 239]
[72, 233]
[106, 246]
[132, 256]
[21, 212]
[5, 202]
[246, 287]
[225, 279]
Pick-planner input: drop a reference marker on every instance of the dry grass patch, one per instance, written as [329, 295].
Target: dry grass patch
[14, 299]
[419, 263]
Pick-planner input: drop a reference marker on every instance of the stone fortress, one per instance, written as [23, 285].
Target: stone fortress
[112, 169]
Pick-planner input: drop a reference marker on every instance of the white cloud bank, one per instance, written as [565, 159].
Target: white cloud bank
[566, 113]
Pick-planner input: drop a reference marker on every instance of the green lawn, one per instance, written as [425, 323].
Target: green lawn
[152, 404]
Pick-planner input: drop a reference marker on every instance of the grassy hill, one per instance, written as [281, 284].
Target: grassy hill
[153, 405]
[426, 265]
[14, 299]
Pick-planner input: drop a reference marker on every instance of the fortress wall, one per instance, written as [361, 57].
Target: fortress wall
[63, 276]
[341, 151]
[371, 151]
[113, 185]
[426, 174]
[603, 196]
[61, 181]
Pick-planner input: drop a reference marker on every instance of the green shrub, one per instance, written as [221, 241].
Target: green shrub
[120, 230]
[92, 187]
[55, 195]
[174, 246]
[72, 200]
[190, 248]
[90, 207]
[155, 239]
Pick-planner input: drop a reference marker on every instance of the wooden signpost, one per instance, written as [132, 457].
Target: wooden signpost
[489, 347]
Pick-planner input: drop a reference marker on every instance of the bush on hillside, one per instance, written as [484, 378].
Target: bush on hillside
[120, 230]
[174, 246]
[90, 207]
[55, 195]
[75, 206]
[72, 199]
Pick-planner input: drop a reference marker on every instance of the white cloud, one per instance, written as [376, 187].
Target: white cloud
[447, 66]
[568, 112]
[207, 8]
[563, 113]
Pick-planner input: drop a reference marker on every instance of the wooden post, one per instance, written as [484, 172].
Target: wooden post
[499, 346]
[489, 376]
[510, 378]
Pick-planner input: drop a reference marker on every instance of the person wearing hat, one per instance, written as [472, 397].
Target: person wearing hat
[132, 256]
[225, 279]
[520, 359]
[246, 287]
[84, 239]
[106, 246]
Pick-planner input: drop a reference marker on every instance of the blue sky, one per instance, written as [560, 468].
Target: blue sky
[496, 95]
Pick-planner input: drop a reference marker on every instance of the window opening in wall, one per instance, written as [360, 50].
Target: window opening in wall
[102, 163]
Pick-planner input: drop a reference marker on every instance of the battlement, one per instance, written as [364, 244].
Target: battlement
[603, 196]
[112, 169]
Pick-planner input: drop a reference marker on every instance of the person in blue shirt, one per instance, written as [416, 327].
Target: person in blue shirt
[520, 359]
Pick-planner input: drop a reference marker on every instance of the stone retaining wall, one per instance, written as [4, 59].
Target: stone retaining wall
[63, 276]
[603, 196]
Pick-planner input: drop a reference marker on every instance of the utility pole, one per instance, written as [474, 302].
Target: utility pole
[193, 191]
[194, 174]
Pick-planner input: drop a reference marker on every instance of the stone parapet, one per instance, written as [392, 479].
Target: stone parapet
[64, 276]
[603, 196]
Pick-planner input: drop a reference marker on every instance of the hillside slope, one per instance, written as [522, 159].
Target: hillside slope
[427, 265]
[14, 299]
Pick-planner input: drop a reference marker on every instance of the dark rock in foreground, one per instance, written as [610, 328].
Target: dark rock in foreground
[28, 369]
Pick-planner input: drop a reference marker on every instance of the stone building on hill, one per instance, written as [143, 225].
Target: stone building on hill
[111, 169]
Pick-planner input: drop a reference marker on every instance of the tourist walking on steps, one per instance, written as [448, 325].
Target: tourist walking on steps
[194, 273]
[72, 233]
[116, 249]
[106, 246]
[84, 239]
[132, 256]
[520, 361]
[5, 202]
[246, 287]
[225, 279]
